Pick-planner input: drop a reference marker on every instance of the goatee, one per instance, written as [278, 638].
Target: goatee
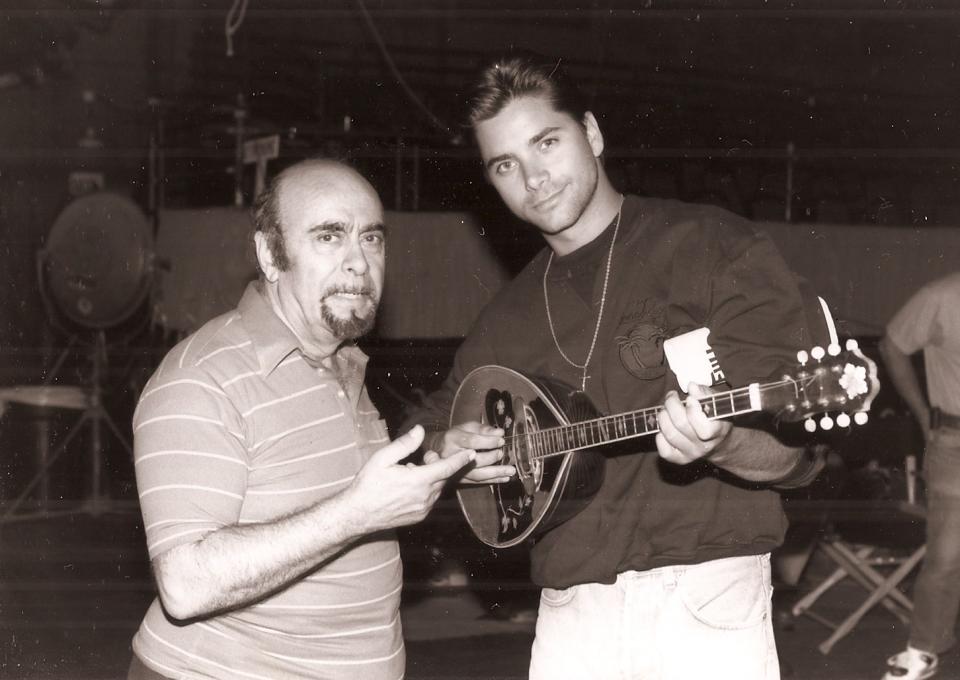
[352, 327]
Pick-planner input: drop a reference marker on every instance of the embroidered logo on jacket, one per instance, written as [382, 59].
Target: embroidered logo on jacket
[640, 341]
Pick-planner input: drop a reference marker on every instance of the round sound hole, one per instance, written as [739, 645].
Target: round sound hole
[529, 466]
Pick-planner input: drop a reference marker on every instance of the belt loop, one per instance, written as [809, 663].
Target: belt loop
[670, 577]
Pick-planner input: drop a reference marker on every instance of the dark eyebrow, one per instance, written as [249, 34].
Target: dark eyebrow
[375, 226]
[332, 225]
[340, 227]
[496, 159]
[543, 133]
[536, 139]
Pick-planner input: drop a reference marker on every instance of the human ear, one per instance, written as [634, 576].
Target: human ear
[594, 136]
[265, 257]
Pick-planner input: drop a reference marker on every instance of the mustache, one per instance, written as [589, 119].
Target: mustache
[349, 290]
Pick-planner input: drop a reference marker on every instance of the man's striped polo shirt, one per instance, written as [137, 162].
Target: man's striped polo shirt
[237, 427]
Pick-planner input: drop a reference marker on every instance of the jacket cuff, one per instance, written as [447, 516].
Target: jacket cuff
[808, 466]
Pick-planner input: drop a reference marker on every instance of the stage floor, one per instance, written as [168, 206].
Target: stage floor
[73, 589]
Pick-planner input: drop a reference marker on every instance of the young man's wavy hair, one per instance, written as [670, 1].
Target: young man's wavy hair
[514, 76]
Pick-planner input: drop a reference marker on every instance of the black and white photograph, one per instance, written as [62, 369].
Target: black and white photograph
[479, 339]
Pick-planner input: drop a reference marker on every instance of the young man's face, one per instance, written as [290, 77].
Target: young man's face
[334, 237]
[542, 162]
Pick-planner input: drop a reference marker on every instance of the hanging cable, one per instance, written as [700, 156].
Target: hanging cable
[234, 18]
[396, 73]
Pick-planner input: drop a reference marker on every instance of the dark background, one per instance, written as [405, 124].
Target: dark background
[839, 113]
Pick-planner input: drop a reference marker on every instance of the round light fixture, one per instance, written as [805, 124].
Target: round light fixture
[97, 266]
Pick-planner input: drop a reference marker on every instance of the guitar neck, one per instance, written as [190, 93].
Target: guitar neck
[555, 441]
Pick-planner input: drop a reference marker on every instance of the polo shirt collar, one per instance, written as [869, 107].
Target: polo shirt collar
[273, 341]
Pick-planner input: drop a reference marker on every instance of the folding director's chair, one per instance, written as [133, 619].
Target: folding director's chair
[879, 570]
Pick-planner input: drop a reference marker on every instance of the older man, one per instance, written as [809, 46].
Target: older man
[268, 485]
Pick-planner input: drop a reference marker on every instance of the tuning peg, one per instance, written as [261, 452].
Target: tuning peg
[817, 353]
[802, 357]
[860, 417]
[833, 349]
[843, 420]
[809, 425]
[852, 344]
[826, 423]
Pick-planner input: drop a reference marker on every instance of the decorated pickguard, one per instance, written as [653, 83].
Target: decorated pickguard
[515, 498]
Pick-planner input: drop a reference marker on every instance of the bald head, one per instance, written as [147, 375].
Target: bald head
[290, 188]
[321, 250]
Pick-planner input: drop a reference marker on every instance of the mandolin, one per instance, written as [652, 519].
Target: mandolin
[552, 432]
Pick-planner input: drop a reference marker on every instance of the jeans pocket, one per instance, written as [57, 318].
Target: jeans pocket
[726, 594]
[554, 597]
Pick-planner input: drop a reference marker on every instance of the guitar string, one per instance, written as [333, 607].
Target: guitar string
[739, 392]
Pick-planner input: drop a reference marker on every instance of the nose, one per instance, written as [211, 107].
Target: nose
[355, 260]
[534, 176]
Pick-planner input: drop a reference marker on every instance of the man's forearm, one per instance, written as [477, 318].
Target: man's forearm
[236, 565]
[904, 379]
[756, 456]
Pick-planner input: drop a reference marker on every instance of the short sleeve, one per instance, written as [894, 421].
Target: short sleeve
[915, 326]
[190, 458]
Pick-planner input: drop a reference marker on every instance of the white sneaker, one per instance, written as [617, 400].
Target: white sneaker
[911, 664]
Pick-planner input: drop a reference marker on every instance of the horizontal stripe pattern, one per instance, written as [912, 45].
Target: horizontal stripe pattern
[222, 440]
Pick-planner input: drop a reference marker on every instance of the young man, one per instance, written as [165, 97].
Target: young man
[268, 485]
[930, 322]
[665, 573]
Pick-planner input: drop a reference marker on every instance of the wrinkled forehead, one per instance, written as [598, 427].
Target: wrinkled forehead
[328, 192]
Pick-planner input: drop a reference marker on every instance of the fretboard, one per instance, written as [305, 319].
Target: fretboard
[555, 441]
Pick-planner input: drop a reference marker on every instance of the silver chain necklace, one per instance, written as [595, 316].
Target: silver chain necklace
[603, 300]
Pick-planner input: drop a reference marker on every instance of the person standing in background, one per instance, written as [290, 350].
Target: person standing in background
[930, 322]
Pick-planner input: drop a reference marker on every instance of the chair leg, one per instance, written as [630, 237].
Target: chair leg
[804, 603]
[878, 595]
[865, 575]
[878, 578]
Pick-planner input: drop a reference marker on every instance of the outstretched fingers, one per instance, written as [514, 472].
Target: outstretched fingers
[399, 448]
[443, 469]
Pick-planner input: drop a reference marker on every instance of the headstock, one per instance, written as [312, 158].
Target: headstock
[824, 381]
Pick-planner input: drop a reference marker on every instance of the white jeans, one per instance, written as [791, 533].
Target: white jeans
[710, 620]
